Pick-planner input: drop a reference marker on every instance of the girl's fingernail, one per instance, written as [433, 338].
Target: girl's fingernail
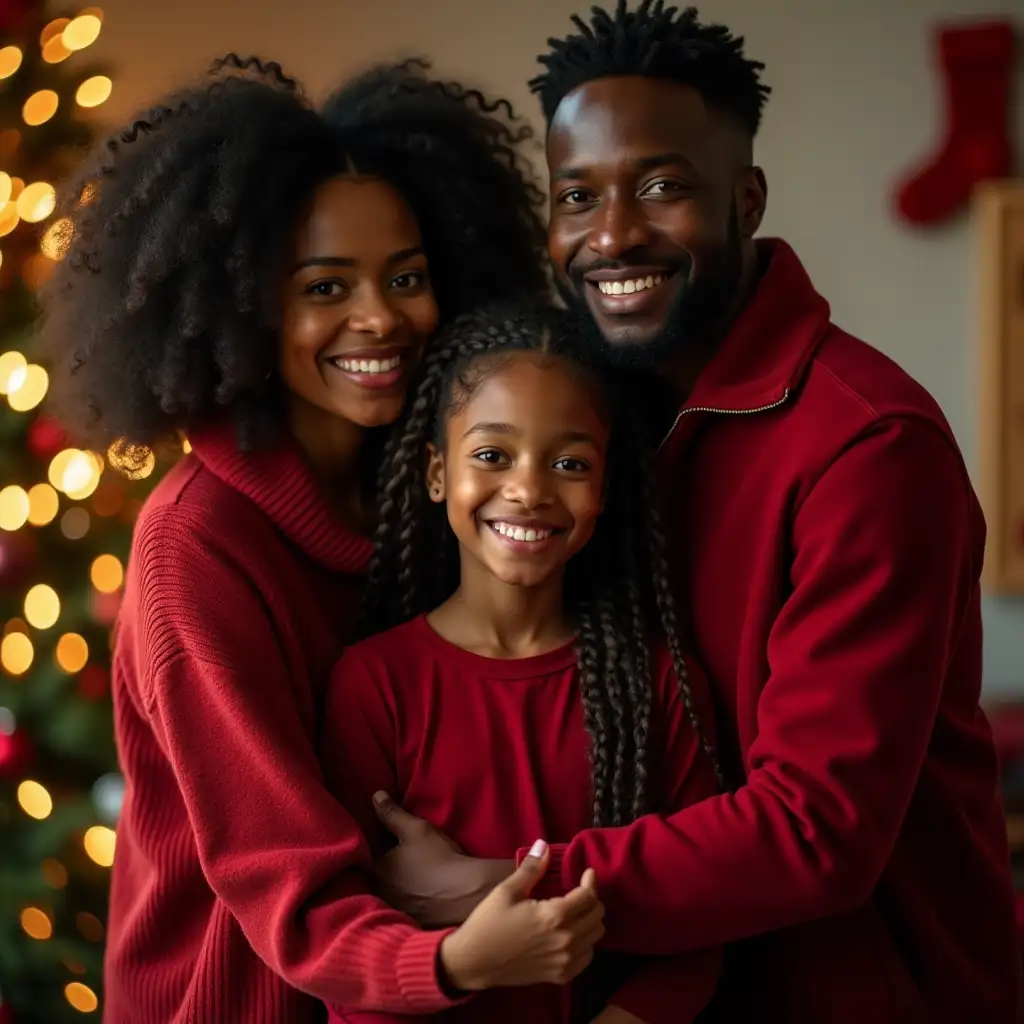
[538, 849]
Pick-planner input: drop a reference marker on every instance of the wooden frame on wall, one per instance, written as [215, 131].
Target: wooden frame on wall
[999, 207]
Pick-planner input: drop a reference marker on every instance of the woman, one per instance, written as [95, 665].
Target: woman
[263, 277]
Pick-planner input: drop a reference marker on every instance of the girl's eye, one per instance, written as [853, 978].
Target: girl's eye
[410, 281]
[490, 456]
[325, 289]
[570, 465]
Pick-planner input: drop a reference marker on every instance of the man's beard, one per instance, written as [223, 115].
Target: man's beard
[696, 311]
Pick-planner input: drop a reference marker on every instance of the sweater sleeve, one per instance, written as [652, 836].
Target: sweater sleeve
[885, 560]
[281, 853]
[676, 989]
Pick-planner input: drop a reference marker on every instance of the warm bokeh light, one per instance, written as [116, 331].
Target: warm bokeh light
[100, 843]
[10, 61]
[75, 523]
[96, 12]
[43, 505]
[55, 875]
[58, 464]
[40, 107]
[34, 800]
[36, 924]
[83, 31]
[81, 475]
[5, 187]
[14, 508]
[15, 626]
[106, 574]
[90, 926]
[109, 498]
[36, 203]
[135, 461]
[55, 51]
[53, 30]
[72, 653]
[27, 388]
[11, 363]
[81, 997]
[16, 654]
[36, 270]
[8, 218]
[94, 91]
[42, 606]
[186, 447]
[57, 239]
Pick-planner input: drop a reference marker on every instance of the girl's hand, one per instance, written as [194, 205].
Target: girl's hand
[512, 940]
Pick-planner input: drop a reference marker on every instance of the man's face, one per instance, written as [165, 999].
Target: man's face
[652, 203]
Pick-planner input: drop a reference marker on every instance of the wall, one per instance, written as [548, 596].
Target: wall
[856, 99]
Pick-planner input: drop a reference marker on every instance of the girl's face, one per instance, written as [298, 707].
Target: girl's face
[522, 471]
[358, 307]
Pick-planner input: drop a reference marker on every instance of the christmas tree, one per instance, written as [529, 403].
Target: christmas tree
[65, 529]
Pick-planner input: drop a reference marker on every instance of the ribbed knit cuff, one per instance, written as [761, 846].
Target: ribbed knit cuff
[419, 976]
[551, 884]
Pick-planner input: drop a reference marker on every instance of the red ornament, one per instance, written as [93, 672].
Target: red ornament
[104, 607]
[14, 17]
[18, 551]
[45, 438]
[977, 63]
[16, 754]
[93, 682]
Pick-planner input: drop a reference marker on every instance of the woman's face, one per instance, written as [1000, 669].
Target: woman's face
[358, 307]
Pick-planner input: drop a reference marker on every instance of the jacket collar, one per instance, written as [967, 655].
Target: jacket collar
[764, 355]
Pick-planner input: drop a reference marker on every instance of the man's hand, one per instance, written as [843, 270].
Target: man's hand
[615, 1015]
[427, 876]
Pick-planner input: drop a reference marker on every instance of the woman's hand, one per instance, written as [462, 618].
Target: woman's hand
[512, 940]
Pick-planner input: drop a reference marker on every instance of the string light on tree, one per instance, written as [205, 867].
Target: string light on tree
[34, 800]
[100, 844]
[10, 60]
[40, 107]
[81, 997]
[16, 654]
[37, 202]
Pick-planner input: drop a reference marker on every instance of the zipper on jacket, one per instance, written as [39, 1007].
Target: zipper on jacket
[721, 412]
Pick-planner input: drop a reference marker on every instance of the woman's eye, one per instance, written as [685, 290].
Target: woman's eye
[325, 289]
[410, 281]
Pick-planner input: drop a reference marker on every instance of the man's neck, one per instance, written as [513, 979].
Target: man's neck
[679, 374]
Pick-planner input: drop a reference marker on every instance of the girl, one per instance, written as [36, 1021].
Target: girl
[263, 276]
[518, 575]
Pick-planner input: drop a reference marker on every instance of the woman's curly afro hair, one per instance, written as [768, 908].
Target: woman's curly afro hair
[164, 311]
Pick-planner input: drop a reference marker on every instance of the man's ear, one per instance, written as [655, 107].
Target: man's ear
[435, 473]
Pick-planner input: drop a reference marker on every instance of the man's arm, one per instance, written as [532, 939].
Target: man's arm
[885, 568]
[886, 558]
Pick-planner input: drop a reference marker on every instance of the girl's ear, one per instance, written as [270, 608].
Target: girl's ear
[435, 474]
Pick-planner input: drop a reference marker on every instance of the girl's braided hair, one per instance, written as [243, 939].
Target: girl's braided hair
[617, 587]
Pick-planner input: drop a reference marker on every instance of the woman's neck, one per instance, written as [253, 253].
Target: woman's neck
[333, 449]
[499, 620]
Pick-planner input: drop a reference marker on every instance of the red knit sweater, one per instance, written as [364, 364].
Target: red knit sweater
[495, 754]
[233, 858]
[828, 547]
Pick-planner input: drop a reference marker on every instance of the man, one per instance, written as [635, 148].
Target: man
[828, 547]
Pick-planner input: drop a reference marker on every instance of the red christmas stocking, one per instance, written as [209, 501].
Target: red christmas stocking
[977, 61]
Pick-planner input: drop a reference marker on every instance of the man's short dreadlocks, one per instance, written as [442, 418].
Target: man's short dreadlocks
[655, 41]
